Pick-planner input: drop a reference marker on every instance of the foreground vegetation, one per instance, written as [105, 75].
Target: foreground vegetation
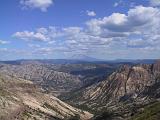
[150, 112]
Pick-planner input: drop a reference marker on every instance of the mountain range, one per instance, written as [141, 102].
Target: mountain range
[115, 90]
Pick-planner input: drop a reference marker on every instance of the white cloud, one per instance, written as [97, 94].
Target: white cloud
[138, 30]
[119, 24]
[137, 43]
[34, 45]
[155, 2]
[41, 34]
[40, 4]
[91, 13]
[3, 50]
[115, 4]
[3, 42]
[26, 35]
[72, 30]
[120, 34]
[120, 2]
[44, 51]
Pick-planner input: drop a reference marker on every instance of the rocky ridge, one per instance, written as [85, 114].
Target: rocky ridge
[21, 99]
[40, 74]
[123, 92]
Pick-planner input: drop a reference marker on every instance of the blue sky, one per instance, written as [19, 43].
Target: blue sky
[104, 29]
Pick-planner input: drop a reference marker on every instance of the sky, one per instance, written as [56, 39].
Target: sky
[60, 29]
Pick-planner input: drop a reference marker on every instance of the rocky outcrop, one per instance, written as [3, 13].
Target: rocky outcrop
[126, 89]
[58, 79]
[21, 99]
[40, 74]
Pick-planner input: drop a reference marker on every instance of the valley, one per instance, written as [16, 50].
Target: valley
[79, 60]
[100, 91]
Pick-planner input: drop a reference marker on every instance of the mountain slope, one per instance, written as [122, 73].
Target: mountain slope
[59, 78]
[21, 99]
[123, 92]
[150, 112]
[40, 74]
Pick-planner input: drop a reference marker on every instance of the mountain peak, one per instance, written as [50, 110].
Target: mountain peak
[83, 57]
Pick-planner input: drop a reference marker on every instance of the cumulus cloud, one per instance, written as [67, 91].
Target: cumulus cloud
[44, 51]
[138, 29]
[120, 24]
[91, 13]
[120, 2]
[34, 45]
[40, 4]
[155, 2]
[65, 40]
[137, 43]
[41, 34]
[115, 4]
[117, 34]
[26, 35]
[3, 42]
[3, 50]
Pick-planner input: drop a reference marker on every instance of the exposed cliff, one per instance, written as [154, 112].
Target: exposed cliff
[123, 92]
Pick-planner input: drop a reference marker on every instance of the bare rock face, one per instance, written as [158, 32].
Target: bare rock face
[40, 74]
[156, 69]
[129, 84]
[21, 99]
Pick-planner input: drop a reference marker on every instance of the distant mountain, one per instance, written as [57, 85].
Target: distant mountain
[52, 61]
[82, 57]
[135, 61]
